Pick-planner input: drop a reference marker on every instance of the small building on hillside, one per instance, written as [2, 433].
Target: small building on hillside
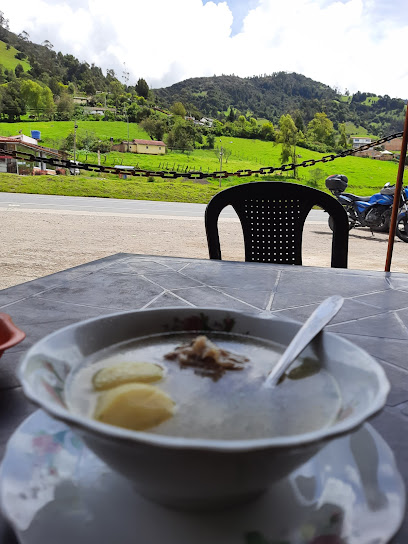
[81, 100]
[372, 153]
[97, 110]
[149, 147]
[393, 145]
[23, 143]
[207, 121]
[356, 141]
[386, 155]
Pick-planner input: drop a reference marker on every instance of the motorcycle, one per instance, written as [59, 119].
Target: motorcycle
[365, 211]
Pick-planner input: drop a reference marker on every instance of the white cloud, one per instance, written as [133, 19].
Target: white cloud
[354, 44]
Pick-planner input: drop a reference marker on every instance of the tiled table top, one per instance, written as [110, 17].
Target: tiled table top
[374, 316]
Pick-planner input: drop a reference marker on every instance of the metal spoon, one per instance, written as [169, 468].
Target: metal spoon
[323, 314]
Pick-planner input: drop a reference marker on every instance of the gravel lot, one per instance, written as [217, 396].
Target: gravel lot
[40, 242]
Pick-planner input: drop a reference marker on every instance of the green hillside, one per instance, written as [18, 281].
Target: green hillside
[52, 132]
[272, 96]
[365, 175]
[8, 60]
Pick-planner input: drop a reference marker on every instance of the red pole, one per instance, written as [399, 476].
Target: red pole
[397, 195]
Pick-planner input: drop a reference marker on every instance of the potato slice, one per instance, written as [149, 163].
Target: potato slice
[127, 372]
[134, 406]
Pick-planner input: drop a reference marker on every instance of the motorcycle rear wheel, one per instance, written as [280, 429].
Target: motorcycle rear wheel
[351, 223]
[402, 227]
[385, 225]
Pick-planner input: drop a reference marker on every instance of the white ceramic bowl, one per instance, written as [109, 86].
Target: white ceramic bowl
[198, 473]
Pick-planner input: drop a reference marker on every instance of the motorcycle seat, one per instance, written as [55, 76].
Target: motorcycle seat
[355, 198]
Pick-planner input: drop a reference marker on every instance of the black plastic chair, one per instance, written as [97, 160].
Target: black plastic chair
[272, 216]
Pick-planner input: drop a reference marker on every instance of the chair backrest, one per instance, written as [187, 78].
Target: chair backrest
[272, 216]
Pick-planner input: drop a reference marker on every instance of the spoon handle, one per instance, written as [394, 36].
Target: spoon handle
[323, 314]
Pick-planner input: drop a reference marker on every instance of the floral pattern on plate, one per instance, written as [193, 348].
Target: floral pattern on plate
[53, 489]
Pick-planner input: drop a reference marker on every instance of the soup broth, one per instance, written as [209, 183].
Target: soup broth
[235, 406]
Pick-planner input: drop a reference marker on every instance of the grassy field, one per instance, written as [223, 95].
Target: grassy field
[354, 130]
[8, 60]
[111, 186]
[52, 132]
[182, 190]
[366, 176]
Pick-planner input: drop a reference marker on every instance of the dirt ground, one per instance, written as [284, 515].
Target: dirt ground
[38, 243]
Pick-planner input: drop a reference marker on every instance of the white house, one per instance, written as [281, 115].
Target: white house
[359, 140]
[97, 110]
[207, 121]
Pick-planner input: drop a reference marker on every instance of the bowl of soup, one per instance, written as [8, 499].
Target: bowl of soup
[174, 399]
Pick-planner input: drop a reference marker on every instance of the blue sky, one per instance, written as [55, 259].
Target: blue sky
[347, 44]
[239, 9]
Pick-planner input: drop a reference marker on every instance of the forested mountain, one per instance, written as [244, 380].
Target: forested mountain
[53, 68]
[275, 95]
[40, 82]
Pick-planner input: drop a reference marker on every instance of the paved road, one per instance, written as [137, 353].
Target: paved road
[116, 206]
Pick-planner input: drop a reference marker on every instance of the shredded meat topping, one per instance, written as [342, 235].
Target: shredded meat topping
[206, 358]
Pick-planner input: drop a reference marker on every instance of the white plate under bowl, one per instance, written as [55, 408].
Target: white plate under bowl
[53, 489]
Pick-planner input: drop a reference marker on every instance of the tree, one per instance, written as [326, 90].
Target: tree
[226, 153]
[298, 119]
[231, 115]
[136, 114]
[288, 136]
[181, 136]
[36, 97]
[18, 70]
[116, 89]
[90, 88]
[48, 45]
[210, 140]
[24, 36]
[142, 88]
[47, 101]
[268, 132]
[343, 141]
[178, 109]
[4, 23]
[315, 175]
[320, 129]
[154, 127]
[57, 88]
[13, 104]
[31, 93]
[65, 107]
[108, 116]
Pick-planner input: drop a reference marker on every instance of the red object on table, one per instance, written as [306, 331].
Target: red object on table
[10, 335]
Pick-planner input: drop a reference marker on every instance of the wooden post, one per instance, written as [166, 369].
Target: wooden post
[397, 195]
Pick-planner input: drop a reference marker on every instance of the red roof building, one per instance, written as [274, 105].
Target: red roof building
[16, 166]
[149, 142]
